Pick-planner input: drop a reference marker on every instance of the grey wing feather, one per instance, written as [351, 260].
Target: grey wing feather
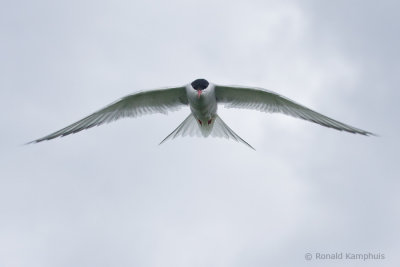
[145, 102]
[268, 101]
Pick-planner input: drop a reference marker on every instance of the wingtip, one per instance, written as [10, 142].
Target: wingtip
[373, 134]
[29, 143]
[162, 142]
[365, 133]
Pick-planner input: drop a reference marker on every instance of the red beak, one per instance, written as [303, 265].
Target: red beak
[199, 93]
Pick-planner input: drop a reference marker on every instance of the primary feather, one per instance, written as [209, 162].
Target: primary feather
[147, 102]
[268, 101]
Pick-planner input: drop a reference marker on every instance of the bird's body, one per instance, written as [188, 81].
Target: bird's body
[203, 107]
[203, 98]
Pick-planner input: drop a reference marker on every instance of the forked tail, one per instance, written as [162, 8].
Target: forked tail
[191, 127]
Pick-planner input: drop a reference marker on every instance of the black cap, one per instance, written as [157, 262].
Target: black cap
[200, 84]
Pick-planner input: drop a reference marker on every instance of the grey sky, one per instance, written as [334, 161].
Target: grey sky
[110, 196]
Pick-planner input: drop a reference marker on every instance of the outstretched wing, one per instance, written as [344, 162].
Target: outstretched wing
[145, 102]
[268, 101]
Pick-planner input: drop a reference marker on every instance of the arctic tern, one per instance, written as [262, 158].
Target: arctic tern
[203, 98]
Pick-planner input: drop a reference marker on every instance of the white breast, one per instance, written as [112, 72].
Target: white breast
[205, 107]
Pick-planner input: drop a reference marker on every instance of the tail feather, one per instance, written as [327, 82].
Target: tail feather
[217, 128]
[187, 127]
[220, 129]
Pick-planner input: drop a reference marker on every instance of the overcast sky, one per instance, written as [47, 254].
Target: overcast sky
[110, 196]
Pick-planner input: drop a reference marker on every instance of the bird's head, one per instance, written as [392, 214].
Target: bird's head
[199, 85]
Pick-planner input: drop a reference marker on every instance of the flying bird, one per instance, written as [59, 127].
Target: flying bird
[203, 98]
